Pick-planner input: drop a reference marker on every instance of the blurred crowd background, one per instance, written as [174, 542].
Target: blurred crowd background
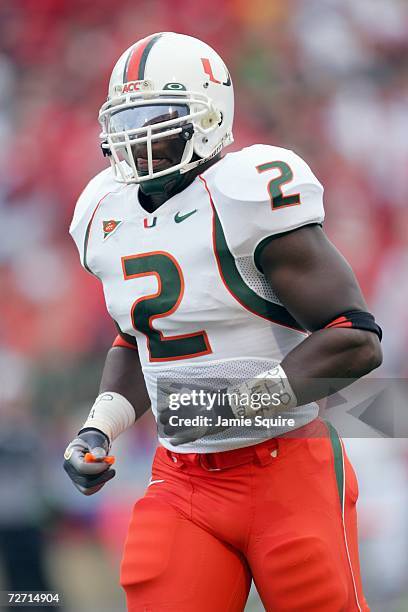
[327, 78]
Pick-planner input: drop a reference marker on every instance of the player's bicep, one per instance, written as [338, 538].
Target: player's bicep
[311, 278]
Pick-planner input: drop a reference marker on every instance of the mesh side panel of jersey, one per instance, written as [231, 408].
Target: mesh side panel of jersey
[255, 280]
[216, 375]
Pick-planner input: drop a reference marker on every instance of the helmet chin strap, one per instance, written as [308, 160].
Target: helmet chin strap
[174, 182]
[202, 160]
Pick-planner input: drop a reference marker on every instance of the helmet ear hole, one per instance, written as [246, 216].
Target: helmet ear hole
[221, 119]
[210, 120]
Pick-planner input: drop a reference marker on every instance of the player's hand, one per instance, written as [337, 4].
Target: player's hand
[88, 476]
[172, 425]
[193, 420]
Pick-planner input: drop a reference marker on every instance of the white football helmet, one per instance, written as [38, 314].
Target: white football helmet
[166, 84]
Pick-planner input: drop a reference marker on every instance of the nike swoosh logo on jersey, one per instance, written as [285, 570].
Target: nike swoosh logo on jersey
[154, 482]
[179, 218]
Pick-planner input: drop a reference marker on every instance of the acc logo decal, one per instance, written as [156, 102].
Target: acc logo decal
[109, 227]
[133, 86]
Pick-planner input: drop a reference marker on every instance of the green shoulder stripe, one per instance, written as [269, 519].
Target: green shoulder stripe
[238, 287]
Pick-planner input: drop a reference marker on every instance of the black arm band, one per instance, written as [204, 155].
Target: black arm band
[356, 319]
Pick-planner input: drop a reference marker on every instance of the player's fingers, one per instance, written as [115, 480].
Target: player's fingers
[88, 480]
[180, 439]
[187, 435]
[91, 490]
[75, 455]
[90, 458]
[180, 423]
[98, 453]
[181, 414]
[170, 431]
[88, 484]
[174, 430]
[164, 416]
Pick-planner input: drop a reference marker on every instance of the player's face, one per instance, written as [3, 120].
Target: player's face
[166, 151]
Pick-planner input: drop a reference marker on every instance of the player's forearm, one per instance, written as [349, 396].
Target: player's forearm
[330, 359]
[122, 374]
[123, 397]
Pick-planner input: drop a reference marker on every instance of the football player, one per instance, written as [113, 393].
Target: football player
[222, 284]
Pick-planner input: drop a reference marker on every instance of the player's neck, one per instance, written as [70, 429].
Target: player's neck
[153, 201]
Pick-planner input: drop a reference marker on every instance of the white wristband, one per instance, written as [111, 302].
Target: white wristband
[111, 413]
[272, 384]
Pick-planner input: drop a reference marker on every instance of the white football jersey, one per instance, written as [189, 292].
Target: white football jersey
[185, 280]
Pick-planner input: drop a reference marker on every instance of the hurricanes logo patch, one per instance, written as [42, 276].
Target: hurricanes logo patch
[109, 227]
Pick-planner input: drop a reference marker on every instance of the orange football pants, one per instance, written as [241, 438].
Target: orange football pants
[282, 512]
